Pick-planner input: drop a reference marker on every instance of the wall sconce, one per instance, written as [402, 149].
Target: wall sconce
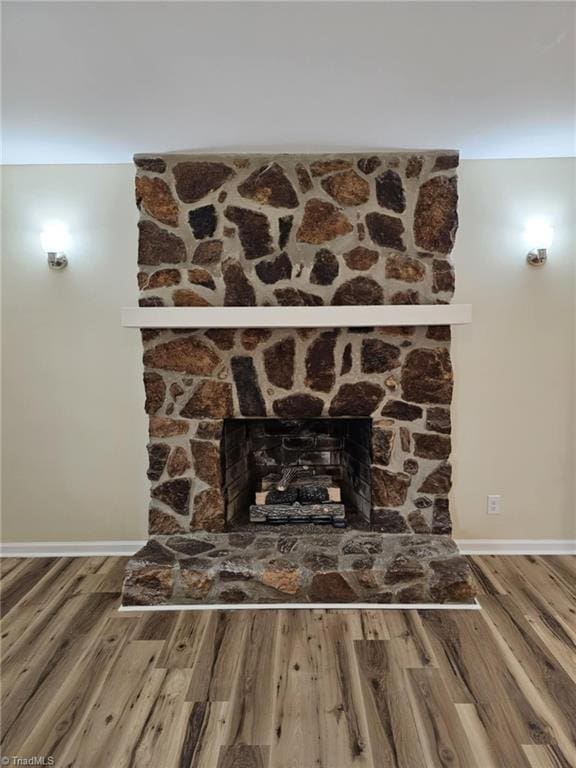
[55, 239]
[538, 235]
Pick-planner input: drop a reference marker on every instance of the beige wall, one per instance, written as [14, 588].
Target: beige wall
[73, 420]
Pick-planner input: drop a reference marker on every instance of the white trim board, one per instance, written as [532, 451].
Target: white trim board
[517, 546]
[475, 606]
[127, 548]
[296, 317]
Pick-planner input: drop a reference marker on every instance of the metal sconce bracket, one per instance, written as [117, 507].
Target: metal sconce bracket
[537, 257]
[57, 260]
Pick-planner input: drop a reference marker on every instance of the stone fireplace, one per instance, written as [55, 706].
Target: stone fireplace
[297, 464]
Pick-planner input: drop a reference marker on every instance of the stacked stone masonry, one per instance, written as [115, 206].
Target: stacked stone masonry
[255, 230]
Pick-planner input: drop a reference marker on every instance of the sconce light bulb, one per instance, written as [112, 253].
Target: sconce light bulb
[538, 234]
[55, 238]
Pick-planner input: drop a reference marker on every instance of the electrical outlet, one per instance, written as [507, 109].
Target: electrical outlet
[493, 505]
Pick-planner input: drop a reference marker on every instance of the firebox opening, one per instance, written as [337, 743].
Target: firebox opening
[298, 471]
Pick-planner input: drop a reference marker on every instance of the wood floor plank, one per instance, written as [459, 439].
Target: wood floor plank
[441, 732]
[289, 689]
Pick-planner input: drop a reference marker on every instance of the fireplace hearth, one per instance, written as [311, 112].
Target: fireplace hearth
[297, 464]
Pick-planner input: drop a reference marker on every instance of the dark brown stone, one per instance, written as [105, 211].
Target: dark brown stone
[418, 522]
[162, 524]
[369, 164]
[209, 252]
[247, 387]
[363, 544]
[222, 337]
[252, 337]
[389, 489]
[156, 246]
[290, 297]
[142, 278]
[398, 409]
[405, 439]
[253, 229]
[403, 568]
[284, 229]
[442, 276]
[269, 186]
[325, 268]
[446, 162]
[415, 593]
[206, 457]
[174, 493]
[320, 373]
[153, 553]
[430, 446]
[184, 297]
[162, 426]
[155, 391]
[152, 164]
[346, 360]
[322, 167]
[157, 458]
[441, 522]
[151, 585]
[210, 399]
[209, 430]
[388, 521]
[404, 268]
[358, 290]
[410, 466]
[298, 406]
[201, 277]
[390, 192]
[178, 463]
[276, 269]
[377, 356]
[188, 545]
[203, 221]
[304, 179]
[320, 561]
[189, 355]
[321, 223]
[386, 230]
[234, 595]
[438, 481]
[163, 278]
[279, 363]
[239, 291]
[209, 511]
[382, 444]
[405, 297]
[360, 258]
[435, 216]
[452, 580]
[194, 180]
[414, 167]
[241, 540]
[347, 188]
[151, 301]
[427, 376]
[438, 420]
[154, 196]
[439, 332]
[358, 399]
[331, 587]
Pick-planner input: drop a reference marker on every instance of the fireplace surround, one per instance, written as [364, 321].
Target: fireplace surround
[297, 464]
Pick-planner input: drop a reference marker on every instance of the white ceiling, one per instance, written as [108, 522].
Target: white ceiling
[96, 82]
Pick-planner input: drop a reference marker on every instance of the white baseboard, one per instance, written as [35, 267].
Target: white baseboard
[127, 548]
[474, 606]
[70, 548]
[517, 546]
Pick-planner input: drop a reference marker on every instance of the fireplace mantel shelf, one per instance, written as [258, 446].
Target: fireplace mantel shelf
[296, 317]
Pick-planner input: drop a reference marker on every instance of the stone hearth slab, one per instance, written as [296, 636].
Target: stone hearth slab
[284, 567]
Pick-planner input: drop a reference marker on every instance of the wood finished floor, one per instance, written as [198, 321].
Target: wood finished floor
[289, 689]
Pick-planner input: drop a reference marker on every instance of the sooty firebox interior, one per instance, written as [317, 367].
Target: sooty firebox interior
[300, 471]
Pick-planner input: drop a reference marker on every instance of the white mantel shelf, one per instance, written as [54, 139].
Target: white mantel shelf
[296, 317]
